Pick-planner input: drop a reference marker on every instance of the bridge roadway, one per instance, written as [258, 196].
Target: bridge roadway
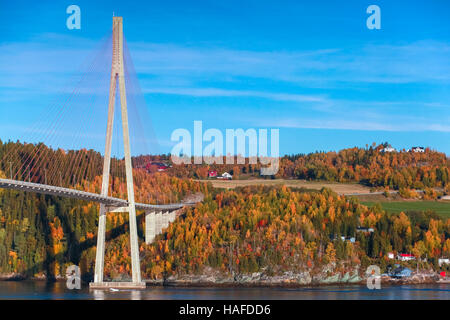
[83, 195]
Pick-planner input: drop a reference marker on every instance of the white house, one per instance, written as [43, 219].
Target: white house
[418, 149]
[226, 175]
[405, 257]
[388, 149]
[364, 229]
[442, 261]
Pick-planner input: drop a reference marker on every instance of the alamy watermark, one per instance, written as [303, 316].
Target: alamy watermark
[374, 20]
[251, 143]
[73, 276]
[74, 20]
[374, 277]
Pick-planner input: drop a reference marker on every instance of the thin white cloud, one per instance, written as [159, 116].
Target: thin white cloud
[353, 124]
[216, 92]
[415, 62]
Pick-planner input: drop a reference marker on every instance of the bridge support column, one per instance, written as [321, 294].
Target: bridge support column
[158, 223]
[100, 253]
[172, 216]
[150, 226]
[165, 220]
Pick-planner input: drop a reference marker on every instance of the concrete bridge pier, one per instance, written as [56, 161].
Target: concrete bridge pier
[158, 217]
[165, 220]
[172, 216]
[150, 226]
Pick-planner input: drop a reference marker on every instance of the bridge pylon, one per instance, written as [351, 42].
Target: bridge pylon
[117, 77]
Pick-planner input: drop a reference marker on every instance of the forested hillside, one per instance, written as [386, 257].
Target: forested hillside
[277, 230]
[369, 166]
[240, 231]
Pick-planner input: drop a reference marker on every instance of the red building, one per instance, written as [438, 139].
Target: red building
[212, 174]
[156, 166]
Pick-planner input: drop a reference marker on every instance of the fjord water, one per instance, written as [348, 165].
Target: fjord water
[58, 290]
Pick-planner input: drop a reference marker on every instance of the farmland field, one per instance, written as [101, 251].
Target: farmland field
[340, 188]
[442, 208]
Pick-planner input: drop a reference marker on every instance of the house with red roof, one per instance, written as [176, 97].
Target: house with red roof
[405, 257]
[212, 174]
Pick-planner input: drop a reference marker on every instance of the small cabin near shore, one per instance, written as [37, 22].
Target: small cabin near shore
[400, 272]
[364, 229]
[442, 261]
[405, 257]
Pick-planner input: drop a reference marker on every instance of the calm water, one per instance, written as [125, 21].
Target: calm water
[42, 290]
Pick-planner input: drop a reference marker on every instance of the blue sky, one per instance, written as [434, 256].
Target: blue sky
[310, 68]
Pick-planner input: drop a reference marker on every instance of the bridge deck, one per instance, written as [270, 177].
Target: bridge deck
[83, 195]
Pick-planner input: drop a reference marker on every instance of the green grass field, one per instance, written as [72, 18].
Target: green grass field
[440, 207]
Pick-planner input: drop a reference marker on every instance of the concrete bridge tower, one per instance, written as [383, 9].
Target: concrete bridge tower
[117, 77]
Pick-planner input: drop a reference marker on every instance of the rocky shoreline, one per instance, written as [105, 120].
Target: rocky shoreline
[258, 279]
[288, 279]
[20, 277]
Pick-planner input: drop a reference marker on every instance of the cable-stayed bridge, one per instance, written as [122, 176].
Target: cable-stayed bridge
[111, 202]
[37, 171]
[157, 217]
